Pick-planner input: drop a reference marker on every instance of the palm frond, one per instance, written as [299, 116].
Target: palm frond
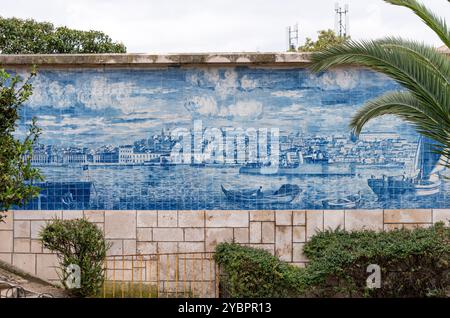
[436, 23]
[427, 55]
[408, 70]
[405, 106]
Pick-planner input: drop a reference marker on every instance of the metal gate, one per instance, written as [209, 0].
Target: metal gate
[171, 275]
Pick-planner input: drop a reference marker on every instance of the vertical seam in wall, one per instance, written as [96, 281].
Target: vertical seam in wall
[14, 235]
[306, 226]
[135, 229]
[204, 230]
[323, 220]
[249, 231]
[274, 232]
[345, 220]
[292, 236]
[382, 211]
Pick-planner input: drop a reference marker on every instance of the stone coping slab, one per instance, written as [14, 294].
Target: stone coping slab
[154, 60]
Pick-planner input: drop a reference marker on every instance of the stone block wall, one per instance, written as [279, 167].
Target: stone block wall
[282, 233]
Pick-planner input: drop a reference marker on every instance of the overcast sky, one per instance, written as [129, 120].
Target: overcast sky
[146, 26]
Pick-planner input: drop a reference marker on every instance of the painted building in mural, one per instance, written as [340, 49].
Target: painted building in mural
[224, 138]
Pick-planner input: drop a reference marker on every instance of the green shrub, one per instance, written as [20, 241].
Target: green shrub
[414, 263]
[78, 242]
[255, 273]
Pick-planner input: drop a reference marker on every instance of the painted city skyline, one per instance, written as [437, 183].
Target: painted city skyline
[110, 131]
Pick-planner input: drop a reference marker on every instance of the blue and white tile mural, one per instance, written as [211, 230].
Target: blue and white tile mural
[224, 138]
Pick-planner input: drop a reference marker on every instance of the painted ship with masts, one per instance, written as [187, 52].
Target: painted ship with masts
[424, 180]
[303, 166]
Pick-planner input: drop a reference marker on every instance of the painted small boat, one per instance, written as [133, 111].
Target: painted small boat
[61, 195]
[285, 194]
[348, 202]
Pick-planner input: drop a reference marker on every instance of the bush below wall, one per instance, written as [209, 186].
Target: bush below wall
[255, 273]
[414, 263]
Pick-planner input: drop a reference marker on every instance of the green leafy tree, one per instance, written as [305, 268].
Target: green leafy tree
[419, 68]
[78, 242]
[19, 36]
[16, 172]
[325, 39]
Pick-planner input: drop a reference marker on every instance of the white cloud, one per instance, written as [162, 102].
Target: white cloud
[202, 105]
[335, 79]
[294, 109]
[247, 83]
[224, 84]
[207, 106]
[288, 94]
[244, 109]
[94, 92]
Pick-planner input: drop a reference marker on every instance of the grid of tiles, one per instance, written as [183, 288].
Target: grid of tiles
[131, 232]
[223, 138]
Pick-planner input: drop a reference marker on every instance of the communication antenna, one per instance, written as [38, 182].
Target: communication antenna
[341, 24]
[292, 37]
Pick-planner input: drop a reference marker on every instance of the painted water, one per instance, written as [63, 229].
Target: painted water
[196, 188]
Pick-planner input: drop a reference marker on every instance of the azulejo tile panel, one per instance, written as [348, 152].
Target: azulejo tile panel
[224, 138]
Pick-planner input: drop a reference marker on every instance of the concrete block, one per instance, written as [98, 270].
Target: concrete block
[96, 216]
[268, 232]
[37, 214]
[47, 266]
[262, 216]
[408, 216]
[129, 247]
[314, 222]
[6, 241]
[22, 229]
[299, 234]
[283, 243]
[241, 235]
[255, 232]
[168, 218]
[332, 219]
[297, 251]
[298, 217]
[217, 235]
[144, 234]
[22, 245]
[147, 218]
[36, 228]
[441, 215]
[7, 221]
[191, 218]
[26, 262]
[146, 247]
[356, 220]
[283, 217]
[167, 234]
[194, 234]
[72, 214]
[120, 224]
[227, 218]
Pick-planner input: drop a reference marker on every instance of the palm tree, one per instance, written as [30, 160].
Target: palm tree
[419, 68]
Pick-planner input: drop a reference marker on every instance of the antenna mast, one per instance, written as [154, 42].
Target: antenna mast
[341, 20]
[292, 37]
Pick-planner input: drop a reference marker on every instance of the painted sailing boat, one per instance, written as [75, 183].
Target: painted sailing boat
[423, 181]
